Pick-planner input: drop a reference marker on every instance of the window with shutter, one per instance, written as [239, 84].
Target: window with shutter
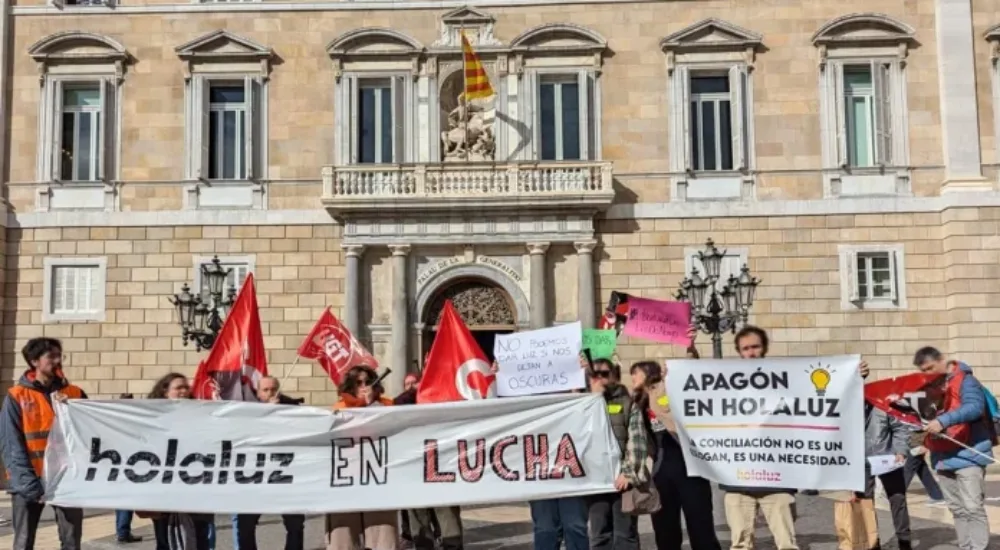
[74, 289]
[872, 277]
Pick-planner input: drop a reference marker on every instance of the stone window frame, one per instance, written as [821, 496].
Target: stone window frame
[560, 50]
[733, 52]
[992, 35]
[740, 253]
[375, 53]
[849, 297]
[882, 42]
[205, 63]
[76, 57]
[98, 313]
[235, 262]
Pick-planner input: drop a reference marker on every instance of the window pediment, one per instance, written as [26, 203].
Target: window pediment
[373, 41]
[477, 25]
[78, 48]
[224, 47]
[559, 38]
[711, 35]
[861, 30]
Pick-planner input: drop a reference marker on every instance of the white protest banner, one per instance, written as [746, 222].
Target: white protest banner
[539, 361]
[793, 423]
[236, 457]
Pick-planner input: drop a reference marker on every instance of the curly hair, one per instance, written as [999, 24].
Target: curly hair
[162, 386]
[351, 381]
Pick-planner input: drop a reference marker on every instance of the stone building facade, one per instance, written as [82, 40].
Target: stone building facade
[845, 152]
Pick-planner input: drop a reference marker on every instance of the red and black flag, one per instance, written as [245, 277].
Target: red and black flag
[616, 313]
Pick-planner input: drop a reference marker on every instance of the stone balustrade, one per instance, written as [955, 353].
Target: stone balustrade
[412, 186]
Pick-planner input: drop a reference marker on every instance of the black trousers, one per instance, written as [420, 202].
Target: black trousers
[69, 523]
[610, 528]
[691, 496]
[294, 531]
[894, 484]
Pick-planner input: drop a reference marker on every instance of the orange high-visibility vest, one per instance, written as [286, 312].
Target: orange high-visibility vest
[36, 420]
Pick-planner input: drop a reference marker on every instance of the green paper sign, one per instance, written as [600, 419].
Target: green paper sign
[601, 343]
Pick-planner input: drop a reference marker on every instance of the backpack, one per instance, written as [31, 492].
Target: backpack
[992, 413]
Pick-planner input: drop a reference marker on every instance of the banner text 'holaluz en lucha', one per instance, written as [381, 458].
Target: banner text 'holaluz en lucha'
[233, 457]
[793, 423]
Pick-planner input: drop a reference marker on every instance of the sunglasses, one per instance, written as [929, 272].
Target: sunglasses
[602, 374]
[366, 382]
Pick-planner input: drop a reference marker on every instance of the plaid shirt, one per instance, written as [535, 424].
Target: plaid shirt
[635, 466]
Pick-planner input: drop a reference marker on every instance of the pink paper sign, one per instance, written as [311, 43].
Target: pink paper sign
[659, 321]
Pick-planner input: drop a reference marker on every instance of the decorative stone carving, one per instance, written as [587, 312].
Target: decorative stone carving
[478, 27]
[477, 303]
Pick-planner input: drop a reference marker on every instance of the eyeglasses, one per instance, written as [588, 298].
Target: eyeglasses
[602, 373]
[365, 382]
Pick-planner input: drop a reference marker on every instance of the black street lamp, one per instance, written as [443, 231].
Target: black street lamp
[201, 319]
[717, 308]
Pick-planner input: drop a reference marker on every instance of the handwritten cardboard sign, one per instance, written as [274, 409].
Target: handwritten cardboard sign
[659, 321]
[539, 361]
[600, 342]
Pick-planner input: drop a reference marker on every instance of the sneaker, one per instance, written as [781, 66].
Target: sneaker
[4, 522]
[936, 504]
[129, 539]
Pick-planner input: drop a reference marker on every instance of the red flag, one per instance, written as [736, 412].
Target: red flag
[237, 359]
[456, 368]
[336, 349]
[912, 398]
[616, 313]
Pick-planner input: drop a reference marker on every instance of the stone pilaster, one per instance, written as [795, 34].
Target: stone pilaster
[539, 315]
[352, 287]
[585, 283]
[959, 107]
[400, 336]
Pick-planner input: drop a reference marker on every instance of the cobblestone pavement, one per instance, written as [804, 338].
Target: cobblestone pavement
[509, 527]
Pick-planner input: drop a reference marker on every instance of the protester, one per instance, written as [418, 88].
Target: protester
[411, 383]
[25, 421]
[246, 533]
[123, 518]
[362, 388]
[678, 492]
[742, 503]
[886, 435]
[610, 527]
[177, 530]
[960, 462]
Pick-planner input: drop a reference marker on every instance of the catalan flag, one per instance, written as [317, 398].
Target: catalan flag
[477, 83]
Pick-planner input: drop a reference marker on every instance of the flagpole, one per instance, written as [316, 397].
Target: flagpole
[942, 435]
[288, 372]
[465, 94]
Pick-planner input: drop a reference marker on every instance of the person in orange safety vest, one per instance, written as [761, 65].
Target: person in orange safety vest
[25, 421]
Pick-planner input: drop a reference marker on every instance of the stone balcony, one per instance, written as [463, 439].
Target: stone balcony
[366, 190]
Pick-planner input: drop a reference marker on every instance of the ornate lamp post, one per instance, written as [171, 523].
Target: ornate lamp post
[201, 318]
[717, 308]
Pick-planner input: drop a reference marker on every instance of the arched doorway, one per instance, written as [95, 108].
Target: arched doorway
[485, 308]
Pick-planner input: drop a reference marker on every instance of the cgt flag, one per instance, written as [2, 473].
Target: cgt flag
[237, 360]
[456, 367]
[336, 349]
[914, 398]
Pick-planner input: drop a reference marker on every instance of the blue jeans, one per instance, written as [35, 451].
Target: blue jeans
[559, 519]
[123, 523]
[236, 531]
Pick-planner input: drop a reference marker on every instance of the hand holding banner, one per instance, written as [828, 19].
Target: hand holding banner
[539, 361]
[659, 321]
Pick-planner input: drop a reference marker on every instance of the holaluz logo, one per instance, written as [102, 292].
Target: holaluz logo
[194, 468]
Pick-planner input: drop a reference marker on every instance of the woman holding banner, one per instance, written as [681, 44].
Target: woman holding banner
[178, 531]
[678, 492]
[362, 387]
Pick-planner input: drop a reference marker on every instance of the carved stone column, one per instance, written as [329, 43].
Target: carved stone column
[352, 288]
[585, 282]
[400, 332]
[539, 317]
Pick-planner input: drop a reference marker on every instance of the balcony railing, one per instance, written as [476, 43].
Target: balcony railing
[545, 184]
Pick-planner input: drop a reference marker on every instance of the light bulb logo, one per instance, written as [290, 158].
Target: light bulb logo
[820, 378]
